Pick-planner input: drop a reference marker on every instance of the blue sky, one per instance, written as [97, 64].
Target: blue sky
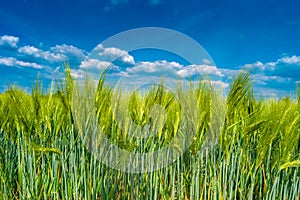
[37, 36]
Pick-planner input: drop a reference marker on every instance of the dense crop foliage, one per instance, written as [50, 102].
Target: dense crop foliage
[43, 156]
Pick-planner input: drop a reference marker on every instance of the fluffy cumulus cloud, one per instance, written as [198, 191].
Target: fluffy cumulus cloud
[163, 68]
[95, 64]
[70, 52]
[78, 73]
[122, 65]
[230, 73]
[105, 58]
[217, 84]
[257, 65]
[286, 67]
[263, 79]
[275, 78]
[112, 54]
[290, 60]
[157, 67]
[7, 61]
[274, 65]
[13, 62]
[7, 41]
[45, 61]
[204, 69]
[45, 55]
[54, 56]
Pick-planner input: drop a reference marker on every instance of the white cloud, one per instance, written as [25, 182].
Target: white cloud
[217, 83]
[207, 61]
[283, 70]
[77, 74]
[165, 68]
[39, 53]
[30, 50]
[230, 73]
[275, 77]
[290, 60]
[96, 64]
[274, 65]
[13, 62]
[257, 65]
[204, 69]
[7, 61]
[154, 67]
[92, 67]
[9, 41]
[161, 67]
[69, 51]
[111, 54]
[28, 64]
[56, 54]
[263, 79]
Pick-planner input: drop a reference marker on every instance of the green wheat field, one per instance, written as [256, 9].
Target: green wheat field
[256, 154]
